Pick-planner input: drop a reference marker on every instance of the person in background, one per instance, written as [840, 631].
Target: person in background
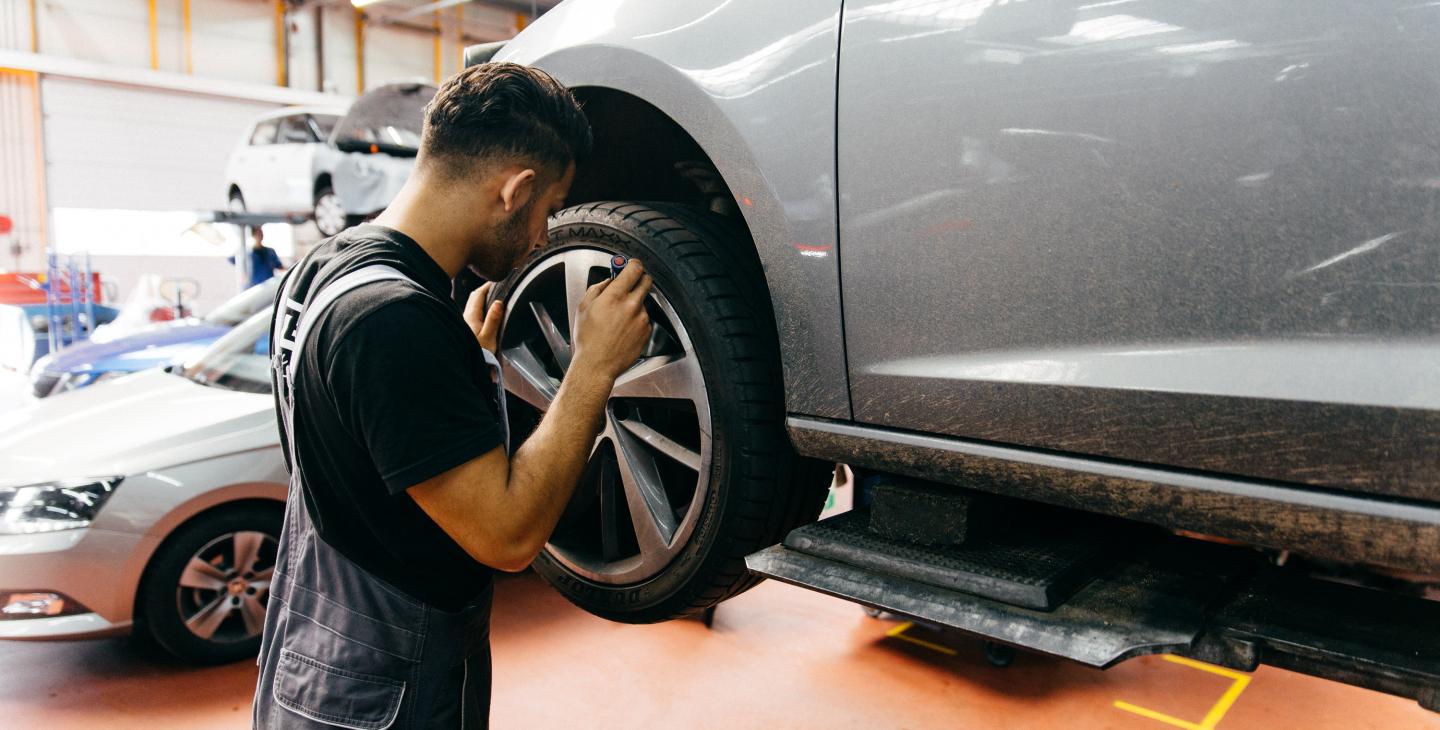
[264, 262]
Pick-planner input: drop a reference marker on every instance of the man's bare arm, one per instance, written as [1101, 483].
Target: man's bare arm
[502, 510]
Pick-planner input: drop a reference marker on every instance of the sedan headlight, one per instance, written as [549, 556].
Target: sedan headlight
[51, 507]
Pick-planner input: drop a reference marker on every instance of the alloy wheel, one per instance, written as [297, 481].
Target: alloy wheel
[645, 485]
[329, 213]
[225, 586]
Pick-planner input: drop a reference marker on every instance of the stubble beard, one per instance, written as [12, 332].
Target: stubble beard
[510, 247]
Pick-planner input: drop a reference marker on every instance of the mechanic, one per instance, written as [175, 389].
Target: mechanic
[264, 262]
[403, 498]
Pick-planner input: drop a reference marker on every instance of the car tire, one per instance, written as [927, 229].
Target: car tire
[220, 600]
[758, 488]
[329, 213]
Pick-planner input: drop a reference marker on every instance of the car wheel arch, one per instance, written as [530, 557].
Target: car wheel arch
[794, 233]
[231, 497]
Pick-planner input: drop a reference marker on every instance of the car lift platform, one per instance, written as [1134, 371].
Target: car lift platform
[1102, 593]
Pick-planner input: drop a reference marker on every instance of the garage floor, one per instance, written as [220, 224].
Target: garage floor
[777, 657]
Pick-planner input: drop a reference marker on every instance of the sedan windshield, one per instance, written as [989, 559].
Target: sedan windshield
[242, 305]
[240, 360]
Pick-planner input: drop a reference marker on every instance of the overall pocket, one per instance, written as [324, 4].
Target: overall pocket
[336, 696]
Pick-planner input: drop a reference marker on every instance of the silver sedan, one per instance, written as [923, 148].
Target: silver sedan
[153, 501]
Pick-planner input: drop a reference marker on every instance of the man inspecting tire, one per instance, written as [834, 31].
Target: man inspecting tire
[403, 496]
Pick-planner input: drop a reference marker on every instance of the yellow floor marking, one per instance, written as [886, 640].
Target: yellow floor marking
[1216, 713]
[899, 633]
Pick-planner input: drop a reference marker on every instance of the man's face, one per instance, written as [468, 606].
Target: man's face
[526, 231]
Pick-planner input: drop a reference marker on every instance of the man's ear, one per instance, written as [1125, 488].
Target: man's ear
[517, 189]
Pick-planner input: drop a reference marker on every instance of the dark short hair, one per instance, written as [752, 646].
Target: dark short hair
[504, 111]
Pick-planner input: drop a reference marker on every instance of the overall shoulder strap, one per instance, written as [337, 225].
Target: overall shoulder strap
[310, 311]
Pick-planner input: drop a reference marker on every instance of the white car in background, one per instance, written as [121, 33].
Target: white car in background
[337, 166]
[285, 164]
[149, 503]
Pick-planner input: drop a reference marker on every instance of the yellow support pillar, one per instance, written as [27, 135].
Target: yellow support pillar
[282, 72]
[34, 28]
[154, 39]
[189, 49]
[359, 51]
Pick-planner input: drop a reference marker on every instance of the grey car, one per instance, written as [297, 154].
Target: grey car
[1165, 261]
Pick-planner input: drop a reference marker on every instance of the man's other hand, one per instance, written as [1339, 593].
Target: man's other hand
[613, 326]
[484, 322]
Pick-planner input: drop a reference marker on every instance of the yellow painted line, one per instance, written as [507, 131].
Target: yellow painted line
[1239, 681]
[899, 633]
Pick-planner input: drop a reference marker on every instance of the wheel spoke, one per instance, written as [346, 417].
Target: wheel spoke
[553, 338]
[204, 623]
[650, 509]
[253, 612]
[662, 377]
[264, 575]
[525, 376]
[202, 575]
[247, 549]
[662, 443]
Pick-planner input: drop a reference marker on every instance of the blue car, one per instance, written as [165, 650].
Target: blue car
[157, 345]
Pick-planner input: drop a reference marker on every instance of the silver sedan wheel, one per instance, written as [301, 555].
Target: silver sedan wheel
[649, 471]
[329, 214]
[225, 586]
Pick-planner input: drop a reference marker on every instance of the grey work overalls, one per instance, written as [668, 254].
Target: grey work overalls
[342, 648]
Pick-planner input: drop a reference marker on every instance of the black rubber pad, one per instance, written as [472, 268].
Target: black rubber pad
[1034, 566]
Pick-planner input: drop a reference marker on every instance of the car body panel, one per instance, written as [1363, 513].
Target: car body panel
[1197, 235]
[128, 426]
[154, 346]
[367, 183]
[761, 106]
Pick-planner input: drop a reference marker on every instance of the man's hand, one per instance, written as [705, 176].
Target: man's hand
[485, 323]
[612, 326]
[502, 510]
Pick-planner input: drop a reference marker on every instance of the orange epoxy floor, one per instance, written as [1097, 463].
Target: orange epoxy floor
[777, 657]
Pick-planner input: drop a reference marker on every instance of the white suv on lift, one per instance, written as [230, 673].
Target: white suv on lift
[284, 164]
[340, 165]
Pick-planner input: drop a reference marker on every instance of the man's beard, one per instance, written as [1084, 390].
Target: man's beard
[511, 244]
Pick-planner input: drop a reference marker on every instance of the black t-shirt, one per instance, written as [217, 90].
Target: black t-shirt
[391, 389]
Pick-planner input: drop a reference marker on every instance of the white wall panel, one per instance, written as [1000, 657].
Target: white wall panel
[398, 53]
[108, 31]
[114, 146]
[234, 39]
